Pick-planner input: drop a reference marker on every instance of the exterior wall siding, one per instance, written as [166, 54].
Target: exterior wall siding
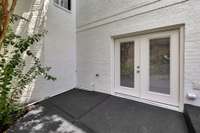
[59, 52]
[35, 11]
[95, 43]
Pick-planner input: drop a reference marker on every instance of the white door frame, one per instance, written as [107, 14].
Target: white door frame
[173, 97]
[121, 89]
[181, 30]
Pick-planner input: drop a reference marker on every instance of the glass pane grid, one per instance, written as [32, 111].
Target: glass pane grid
[127, 64]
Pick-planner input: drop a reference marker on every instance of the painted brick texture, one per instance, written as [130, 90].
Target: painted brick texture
[94, 42]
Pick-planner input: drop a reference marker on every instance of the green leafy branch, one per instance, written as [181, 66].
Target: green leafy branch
[15, 76]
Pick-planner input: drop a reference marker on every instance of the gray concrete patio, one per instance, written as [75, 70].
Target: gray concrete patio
[79, 111]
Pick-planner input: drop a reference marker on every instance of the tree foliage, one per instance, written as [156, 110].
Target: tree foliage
[15, 76]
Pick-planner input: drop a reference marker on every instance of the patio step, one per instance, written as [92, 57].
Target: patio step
[192, 117]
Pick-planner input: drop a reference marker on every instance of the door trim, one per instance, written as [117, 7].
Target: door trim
[181, 29]
[173, 97]
[118, 88]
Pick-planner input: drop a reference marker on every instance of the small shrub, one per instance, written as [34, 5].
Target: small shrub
[14, 75]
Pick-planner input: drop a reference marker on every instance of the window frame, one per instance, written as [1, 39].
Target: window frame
[69, 9]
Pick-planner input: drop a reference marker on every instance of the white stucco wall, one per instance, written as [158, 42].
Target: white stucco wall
[59, 52]
[95, 27]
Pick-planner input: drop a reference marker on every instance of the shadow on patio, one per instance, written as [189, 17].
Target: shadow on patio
[79, 111]
[45, 119]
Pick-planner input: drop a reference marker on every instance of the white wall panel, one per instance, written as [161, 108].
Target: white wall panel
[95, 44]
[59, 52]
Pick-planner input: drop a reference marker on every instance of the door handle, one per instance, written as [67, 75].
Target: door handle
[138, 71]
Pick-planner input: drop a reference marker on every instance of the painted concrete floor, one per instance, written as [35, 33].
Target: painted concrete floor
[79, 111]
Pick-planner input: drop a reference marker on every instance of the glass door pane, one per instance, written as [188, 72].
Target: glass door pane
[127, 64]
[160, 65]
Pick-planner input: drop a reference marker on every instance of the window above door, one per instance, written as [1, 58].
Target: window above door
[63, 4]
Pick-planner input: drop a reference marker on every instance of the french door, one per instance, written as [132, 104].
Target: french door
[147, 67]
[127, 60]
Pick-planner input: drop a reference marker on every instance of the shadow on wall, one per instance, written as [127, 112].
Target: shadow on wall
[45, 120]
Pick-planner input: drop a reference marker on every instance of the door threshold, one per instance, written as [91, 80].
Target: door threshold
[142, 100]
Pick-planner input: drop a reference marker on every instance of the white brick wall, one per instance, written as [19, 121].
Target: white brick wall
[59, 52]
[59, 47]
[94, 43]
[36, 15]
